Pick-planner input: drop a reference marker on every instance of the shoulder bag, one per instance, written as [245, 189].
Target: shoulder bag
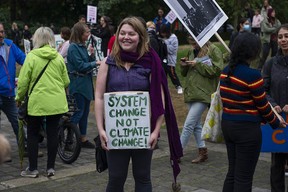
[100, 156]
[23, 109]
[211, 130]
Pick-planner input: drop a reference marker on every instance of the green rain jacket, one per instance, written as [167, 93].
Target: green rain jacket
[202, 79]
[48, 96]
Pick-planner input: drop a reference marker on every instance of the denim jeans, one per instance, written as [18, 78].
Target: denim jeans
[118, 163]
[80, 117]
[8, 106]
[193, 124]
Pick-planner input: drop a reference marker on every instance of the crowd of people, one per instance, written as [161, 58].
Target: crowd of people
[139, 56]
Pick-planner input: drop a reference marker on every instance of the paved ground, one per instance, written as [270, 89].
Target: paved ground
[81, 175]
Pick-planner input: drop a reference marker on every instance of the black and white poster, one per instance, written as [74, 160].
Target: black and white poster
[202, 18]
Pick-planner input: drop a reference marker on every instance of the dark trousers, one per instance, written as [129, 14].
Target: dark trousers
[277, 172]
[243, 142]
[118, 163]
[34, 124]
[173, 76]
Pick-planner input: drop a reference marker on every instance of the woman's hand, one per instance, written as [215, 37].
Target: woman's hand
[104, 140]
[153, 139]
[282, 124]
[285, 109]
[278, 109]
[192, 63]
[183, 61]
[92, 51]
[18, 103]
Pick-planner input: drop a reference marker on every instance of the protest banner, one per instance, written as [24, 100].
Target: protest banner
[127, 120]
[27, 46]
[274, 140]
[201, 18]
[91, 14]
[58, 40]
[171, 17]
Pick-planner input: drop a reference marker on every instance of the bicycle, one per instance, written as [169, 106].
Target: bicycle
[69, 144]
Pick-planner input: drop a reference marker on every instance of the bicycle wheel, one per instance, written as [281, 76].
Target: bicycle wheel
[69, 145]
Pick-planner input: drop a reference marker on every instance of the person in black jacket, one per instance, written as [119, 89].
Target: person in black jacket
[104, 33]
[276, 86]
[26, 33]
[15, 34]
[153, 39]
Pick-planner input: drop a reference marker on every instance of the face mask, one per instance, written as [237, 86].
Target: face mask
[246, 27]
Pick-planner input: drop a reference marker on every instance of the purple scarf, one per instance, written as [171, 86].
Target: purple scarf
[152, 61]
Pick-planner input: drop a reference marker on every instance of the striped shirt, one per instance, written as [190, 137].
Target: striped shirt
[244, 97]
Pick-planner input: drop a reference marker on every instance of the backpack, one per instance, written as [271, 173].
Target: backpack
[163, 52]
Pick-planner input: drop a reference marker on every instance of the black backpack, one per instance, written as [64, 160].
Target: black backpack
[163, 52]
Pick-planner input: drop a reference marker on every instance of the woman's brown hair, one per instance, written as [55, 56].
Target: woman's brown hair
[77, 32]
[143, 45]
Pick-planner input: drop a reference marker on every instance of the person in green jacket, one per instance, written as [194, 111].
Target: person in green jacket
[48, 98]
[269, 26]
[201, 68]
[80, 66]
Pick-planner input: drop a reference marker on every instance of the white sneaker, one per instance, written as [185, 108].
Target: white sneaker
[179, 90]
[50, 172]
[28, 173]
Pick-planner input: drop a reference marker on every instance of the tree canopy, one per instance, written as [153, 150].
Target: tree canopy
[65, 12]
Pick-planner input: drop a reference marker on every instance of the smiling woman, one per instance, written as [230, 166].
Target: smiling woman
[136, 67]
[274, 74]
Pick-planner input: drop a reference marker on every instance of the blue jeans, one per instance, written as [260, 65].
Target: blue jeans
[8, 106]
[118, 163]
[193, 124]
[80, 117]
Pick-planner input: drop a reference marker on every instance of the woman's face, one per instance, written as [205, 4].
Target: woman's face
[86, 34]
[273, 14]
[283, 39]
[102, 22]
[128, 38]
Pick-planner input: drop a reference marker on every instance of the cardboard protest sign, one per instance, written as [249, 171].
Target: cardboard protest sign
[91, 14]
[201, 18]
[274, 140]
[127, 120]
[27, 46]
[171, 17]
[58, 40]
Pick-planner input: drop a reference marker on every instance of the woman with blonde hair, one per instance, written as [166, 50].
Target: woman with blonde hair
[201, 69]
[47, 99]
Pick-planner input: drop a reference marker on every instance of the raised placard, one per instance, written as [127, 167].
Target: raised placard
[127, 120]
[275, 140]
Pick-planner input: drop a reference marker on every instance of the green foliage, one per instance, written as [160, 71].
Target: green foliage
[4, 16]
[66, 12]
